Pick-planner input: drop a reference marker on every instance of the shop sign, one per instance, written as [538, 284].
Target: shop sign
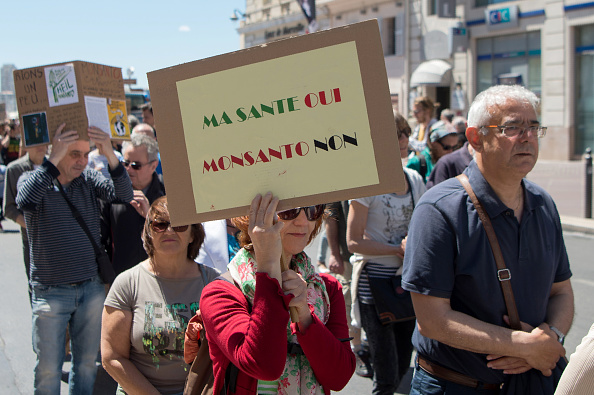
[502, 18]
[284, 31]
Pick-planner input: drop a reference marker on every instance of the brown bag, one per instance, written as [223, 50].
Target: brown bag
[200, 380]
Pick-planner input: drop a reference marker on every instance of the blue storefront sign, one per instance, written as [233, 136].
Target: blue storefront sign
[502, 18]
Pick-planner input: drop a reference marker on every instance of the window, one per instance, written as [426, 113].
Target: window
[389, 36]
[584, 88]
[508, 58]
[285, 8]
[392, 33]
[432, 7]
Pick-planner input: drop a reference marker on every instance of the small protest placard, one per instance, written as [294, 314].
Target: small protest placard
[308, 118]
[81, 94]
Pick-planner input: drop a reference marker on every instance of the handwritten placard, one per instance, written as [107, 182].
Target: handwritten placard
[308, 118]
[50, 95]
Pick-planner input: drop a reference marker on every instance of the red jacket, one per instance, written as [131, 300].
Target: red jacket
[257, 343]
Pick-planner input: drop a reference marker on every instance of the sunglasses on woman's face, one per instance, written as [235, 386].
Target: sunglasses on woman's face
[161, 226]
[312, 213]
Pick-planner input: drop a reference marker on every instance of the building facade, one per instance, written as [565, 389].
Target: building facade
[7, 94]
[451, 50]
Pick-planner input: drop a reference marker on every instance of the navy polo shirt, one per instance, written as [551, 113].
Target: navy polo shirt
[449, 256]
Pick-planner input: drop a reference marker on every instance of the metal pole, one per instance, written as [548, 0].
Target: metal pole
[588, 159]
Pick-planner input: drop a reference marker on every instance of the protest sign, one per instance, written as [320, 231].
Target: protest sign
[81, 94]
[308, 118]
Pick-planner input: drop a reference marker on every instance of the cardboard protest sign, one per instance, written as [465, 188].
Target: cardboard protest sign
[308, 118]
[81, 94]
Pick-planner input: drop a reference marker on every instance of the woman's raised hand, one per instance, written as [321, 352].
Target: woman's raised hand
[264, 230]
[294, 284]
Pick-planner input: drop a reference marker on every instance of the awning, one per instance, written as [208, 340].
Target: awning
[434, 72]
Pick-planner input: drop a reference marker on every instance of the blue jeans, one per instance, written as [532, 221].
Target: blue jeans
[424, 383]
[77, 306]
[390, 348]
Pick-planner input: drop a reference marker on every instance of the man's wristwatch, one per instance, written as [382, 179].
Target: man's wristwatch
[560, 335]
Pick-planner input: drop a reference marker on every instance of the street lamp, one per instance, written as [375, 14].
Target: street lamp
[236, 15]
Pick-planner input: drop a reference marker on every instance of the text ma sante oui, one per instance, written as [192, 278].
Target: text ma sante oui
[276, 107]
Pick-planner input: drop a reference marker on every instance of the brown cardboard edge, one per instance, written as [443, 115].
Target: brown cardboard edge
[162, 84]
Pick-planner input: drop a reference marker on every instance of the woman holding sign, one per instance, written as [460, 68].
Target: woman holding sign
[247, 321]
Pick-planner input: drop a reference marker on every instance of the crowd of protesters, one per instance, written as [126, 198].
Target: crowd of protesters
[75, 205]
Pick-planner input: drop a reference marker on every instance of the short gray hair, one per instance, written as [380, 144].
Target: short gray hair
[485, 104]
[459, 123]
[447, 114]
[138, 140]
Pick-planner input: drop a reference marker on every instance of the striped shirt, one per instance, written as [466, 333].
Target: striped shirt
[61, 252]
[374, 270]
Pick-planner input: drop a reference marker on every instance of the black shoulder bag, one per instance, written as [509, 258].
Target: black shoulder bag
[104, 265]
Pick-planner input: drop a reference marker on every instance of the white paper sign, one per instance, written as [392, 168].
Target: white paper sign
[97, 112]
[61, 85]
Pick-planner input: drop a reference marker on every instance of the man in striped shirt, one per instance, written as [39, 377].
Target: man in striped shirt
[66, 288]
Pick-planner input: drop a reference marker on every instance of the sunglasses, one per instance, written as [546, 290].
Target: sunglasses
[161, 226]
[135, 165]
[404, 132]
[312, 213]
[447, 147]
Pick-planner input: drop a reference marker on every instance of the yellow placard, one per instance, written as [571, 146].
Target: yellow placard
[118, 119]
[278, 132]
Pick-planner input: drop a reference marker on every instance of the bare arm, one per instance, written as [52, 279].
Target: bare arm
[115, 352]
[356, 241]
[436, 320]
[560, 310]
[103, 142]
[560, 315]
[11, 210]
[335, 262]
[20, 219]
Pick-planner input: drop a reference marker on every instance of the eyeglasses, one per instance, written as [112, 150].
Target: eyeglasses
[447, 147]
[516, 130]
[135, 165]
[312, 213]
[161, 226]
[404, 132]
[417, 111]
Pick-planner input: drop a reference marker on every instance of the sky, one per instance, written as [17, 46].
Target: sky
[147, 35]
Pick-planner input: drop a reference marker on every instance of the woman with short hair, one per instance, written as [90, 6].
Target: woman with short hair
[148, 307]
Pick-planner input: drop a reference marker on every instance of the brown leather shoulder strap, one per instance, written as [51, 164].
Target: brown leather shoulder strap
[503, 273]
